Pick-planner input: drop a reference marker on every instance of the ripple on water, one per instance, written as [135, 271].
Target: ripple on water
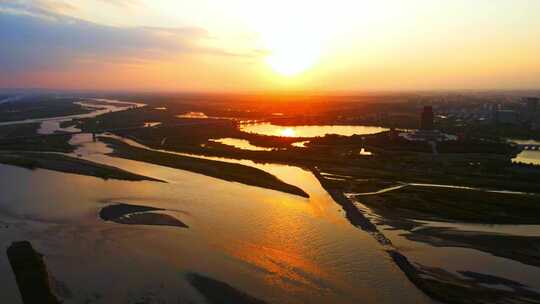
[258, 239]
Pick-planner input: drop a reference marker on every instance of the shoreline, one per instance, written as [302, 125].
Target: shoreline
[67, 164]
[438, 284]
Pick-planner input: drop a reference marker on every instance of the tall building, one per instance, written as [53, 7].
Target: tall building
[494, 115]
[532, 104]
[532, 112]
[426, 120]
[508, 117]
[427, 132]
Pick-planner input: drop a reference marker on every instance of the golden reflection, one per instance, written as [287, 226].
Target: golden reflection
[309, 131]
[288, 132]
[286, 268]
[286, 250]
[240, 144]
[280, 247]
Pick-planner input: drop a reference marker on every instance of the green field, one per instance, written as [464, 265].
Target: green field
[457, 205]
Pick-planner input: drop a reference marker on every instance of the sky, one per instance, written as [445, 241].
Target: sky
[261, 45]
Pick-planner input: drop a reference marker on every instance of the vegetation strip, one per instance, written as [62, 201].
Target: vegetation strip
[217, 169]
[473, 206]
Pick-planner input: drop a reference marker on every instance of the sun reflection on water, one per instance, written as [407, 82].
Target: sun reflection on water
[288, 132]
[310, 130]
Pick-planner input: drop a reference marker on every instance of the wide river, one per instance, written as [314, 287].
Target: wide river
[275, 246]
[278, 247]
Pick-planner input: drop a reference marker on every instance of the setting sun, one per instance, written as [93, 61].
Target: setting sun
[294, 44]
[291, 62]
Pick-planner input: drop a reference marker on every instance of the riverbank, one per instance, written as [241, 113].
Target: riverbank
[67, 164]
[407, 206]
[439, 283]
[451, 204]
[518, 248]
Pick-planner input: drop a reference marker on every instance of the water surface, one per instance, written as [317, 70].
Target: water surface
[279, 247]
[240, 144]
[527, 156]
[309, 131]
[276, 246]
[456, 259]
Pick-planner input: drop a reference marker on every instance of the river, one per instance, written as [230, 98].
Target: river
[275, 246]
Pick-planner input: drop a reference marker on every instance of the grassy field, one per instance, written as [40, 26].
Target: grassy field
[458, 205]
[41, 144]
[40, 107]
[22, 137]
[19, 130]
[474, 170]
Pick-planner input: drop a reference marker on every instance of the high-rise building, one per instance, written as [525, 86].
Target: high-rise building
[531, 112]
[427, 132]
[494, 115]
[426, 120]
[508, 117]
[532, 104]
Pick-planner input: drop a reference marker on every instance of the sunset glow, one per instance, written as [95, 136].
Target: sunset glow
[295, 43]
[288, 132]
[270, 151]
[237, 45]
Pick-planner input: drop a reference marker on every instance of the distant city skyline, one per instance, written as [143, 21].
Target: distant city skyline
[248, 46]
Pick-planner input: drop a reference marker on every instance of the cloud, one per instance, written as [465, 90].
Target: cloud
[36, 8]
[36, 38]
[123, 2]
[51, 7]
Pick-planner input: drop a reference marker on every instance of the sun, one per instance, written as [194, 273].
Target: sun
[292, 51]
[292, 33]
[290, 62]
